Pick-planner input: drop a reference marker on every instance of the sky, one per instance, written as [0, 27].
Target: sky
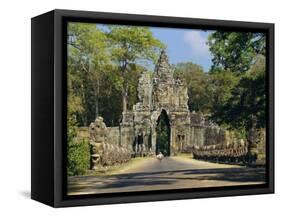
[185, 45]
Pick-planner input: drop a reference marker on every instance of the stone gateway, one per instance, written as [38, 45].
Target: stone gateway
[161, 122]
[163, 100]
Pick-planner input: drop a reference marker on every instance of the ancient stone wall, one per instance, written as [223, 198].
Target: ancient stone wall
[105, 147]
[113, 136]
[214, 135]
[83, 133]
[127, 137]
[262, 147]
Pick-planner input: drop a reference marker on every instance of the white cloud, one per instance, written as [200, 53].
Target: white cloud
[196, 43]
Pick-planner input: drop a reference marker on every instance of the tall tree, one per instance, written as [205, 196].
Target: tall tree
[87, 53]
[219, 88]
[247, 99]
[130, 46]
[242, 53]
[235, 51]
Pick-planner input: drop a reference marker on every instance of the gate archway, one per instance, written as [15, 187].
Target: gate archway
[163, 131]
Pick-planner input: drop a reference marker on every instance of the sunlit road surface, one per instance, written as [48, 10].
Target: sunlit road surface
[170, 173]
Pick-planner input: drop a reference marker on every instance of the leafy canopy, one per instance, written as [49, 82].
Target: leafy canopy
[235, 51]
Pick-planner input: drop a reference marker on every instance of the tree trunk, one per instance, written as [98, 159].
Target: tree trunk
[125, 86]
[124, 99]
[85, 113]
[97, 98]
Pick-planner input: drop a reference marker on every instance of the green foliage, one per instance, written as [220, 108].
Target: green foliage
[207, 92]
[219, 88]
[103, 67]
[78, 158]
[235, 51]
[247, 99]
[197, 83]
[104, 63]
[241, 95]
[131, 45]
[87, 63]
[234, 89]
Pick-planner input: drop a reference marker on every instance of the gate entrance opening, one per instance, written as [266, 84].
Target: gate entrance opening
[163, 134]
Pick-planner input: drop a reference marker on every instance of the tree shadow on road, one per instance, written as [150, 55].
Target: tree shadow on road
[167, 178]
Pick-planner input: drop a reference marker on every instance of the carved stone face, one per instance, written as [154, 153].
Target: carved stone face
[95, 160]
[96, 154]
[97, 148]
[98, 133]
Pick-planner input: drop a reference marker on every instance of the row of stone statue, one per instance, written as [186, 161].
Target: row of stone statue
[233, 149]
[102, 153]
[222, 153]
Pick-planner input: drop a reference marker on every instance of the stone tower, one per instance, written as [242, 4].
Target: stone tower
[168, 93]
[160, 93]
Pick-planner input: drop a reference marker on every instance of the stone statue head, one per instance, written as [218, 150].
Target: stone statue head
[97, 131]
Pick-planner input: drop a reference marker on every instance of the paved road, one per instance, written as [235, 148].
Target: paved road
[170, 173]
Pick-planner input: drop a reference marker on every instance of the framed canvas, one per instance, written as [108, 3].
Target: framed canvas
[133, 108]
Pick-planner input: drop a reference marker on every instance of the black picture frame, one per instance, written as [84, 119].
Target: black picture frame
[48, 147]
